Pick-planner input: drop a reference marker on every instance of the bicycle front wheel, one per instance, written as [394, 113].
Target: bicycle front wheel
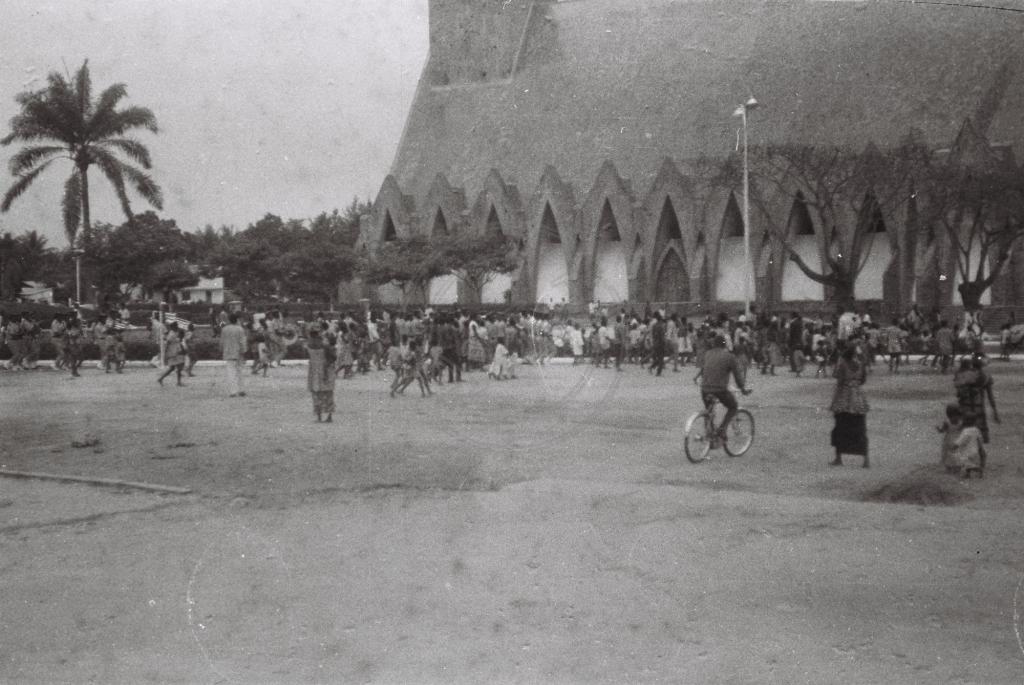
[740, 435]
[697, 442]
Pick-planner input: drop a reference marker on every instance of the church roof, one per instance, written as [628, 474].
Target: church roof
[634, 81]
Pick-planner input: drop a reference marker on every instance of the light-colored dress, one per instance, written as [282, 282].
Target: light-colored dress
[477, 350]
[576, 340]
[500, 363]
[174, 353]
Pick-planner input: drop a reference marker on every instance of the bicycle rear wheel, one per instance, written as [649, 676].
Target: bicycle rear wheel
[697, 442]
[740, 435]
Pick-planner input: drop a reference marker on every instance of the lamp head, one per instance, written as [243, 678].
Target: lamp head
[750, 104]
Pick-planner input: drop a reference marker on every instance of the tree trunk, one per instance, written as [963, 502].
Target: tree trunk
[83, 172]
[842, 293]
[970, 294]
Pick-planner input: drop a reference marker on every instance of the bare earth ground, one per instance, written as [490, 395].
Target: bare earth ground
[546, 529]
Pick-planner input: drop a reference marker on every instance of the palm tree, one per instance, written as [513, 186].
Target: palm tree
[72, 126]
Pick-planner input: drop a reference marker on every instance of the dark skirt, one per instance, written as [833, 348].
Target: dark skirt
[850, 434]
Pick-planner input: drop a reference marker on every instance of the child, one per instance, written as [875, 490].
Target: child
[261, 355]
[436, 367]
[394, 355]
[120, 353]
[345, 358]
[576, 343]
[174, 355]
[109, 350]
[500, 361]
[970, 451]
[950, 430]
[822, 355]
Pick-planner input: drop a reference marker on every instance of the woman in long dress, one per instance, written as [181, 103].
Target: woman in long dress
[477, 344]
[849, 407]
[321, 375]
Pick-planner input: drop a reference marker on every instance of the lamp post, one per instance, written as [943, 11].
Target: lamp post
[741, 111]
[77, 254]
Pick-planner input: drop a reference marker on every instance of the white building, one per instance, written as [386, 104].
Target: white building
[207, 290]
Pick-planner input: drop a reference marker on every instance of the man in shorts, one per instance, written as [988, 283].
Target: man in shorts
[719, 364]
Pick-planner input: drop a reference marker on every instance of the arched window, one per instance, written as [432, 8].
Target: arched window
[389, 228]
[611, 277]
[552, 274]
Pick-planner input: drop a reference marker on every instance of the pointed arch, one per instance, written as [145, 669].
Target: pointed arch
[442, 289]
[668, 223]
[496, 290]
[804, 241]
[390, 233]
[552, 285]
[876, 255]
[611, 273]
[440, 226]
[449, 201]
[493, 226]
[731, 272]
[672, 279]
[608, 222]
[390, 218]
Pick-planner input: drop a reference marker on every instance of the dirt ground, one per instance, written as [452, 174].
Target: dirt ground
[542, 530]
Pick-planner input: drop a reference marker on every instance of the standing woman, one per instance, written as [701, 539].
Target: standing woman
[477, 350]
[850, 408]
[321, 374]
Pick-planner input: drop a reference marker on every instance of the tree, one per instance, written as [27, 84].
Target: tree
[343, 225]
[253, 262]
[23, 258]
[976, 198]
[477, 259]
[73, 126]
[845, 192]
[315, 269]
[170, 275]
[120, 259]
[407, 264]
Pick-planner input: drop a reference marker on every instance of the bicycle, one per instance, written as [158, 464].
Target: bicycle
[703, 435]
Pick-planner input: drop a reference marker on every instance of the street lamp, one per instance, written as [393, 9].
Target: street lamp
[741, 111]
[77, 254]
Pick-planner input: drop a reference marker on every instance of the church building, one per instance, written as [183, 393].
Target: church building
[577, 129]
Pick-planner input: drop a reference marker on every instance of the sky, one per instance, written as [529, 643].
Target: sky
[288, 106]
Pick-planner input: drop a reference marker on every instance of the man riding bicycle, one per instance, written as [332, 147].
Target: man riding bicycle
[719, 363]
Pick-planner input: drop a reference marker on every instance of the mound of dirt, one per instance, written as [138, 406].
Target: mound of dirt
[926, 489]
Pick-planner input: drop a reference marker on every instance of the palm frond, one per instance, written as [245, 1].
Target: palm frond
[105, 110]
[144, 185]
[38, 120]
[110, 97]
[111, 168]
[20, 186]
[133, 148]
[83, 90]
[61, 103]
[71, 206]
[119, 122]
[26, 158]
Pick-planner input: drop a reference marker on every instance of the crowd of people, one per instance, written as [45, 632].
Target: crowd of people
[430, 347]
